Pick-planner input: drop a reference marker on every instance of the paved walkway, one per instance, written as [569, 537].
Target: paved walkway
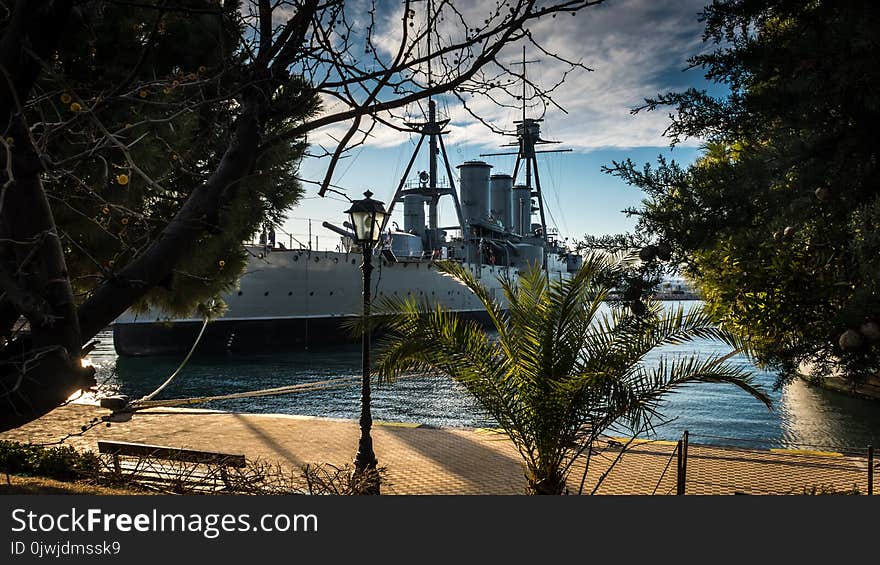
[423, 460]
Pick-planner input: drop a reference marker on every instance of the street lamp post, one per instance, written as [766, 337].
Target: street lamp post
[367, 217]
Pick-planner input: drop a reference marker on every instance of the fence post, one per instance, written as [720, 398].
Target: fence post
[870, 470]
[684, 461]
[679, 484]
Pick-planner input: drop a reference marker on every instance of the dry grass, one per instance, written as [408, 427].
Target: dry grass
[260, 477]
[264, 477]
[41, 485]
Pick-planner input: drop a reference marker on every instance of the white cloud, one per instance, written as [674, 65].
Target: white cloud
[637, 48]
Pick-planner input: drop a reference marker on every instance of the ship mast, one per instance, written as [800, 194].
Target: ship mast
[429, 186]
[528, 134]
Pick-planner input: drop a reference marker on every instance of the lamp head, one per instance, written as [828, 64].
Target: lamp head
[367, 217]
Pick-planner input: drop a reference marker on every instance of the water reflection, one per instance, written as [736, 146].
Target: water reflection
[817, 417]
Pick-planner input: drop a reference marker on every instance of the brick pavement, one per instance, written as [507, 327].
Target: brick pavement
[423, 460]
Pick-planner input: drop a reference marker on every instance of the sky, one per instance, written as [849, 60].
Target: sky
[636, 48]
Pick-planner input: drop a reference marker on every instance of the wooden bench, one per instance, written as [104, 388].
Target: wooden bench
[206, 465]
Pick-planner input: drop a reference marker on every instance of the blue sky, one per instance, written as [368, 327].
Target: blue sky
[637, 49]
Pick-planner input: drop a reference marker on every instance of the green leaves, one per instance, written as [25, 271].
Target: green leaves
[559, 372]
[777, 221]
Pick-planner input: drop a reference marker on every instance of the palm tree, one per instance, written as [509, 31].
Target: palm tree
[559, 372]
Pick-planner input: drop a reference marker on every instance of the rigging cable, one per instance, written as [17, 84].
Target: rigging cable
[551, 161]
[353, 161]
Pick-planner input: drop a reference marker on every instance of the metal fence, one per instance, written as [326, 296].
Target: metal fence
[697, 465]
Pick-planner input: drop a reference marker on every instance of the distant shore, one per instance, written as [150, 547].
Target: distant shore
[868, 389]
[663, 296]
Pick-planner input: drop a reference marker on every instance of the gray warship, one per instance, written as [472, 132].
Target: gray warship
[300, 298]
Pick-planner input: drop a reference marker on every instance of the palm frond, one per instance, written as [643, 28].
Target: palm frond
[497, 313]
[644, 387]
[437, 341]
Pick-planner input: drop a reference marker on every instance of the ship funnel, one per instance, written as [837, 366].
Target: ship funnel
[414, 214]
[522, 209]
[501, 186]
[475, 195]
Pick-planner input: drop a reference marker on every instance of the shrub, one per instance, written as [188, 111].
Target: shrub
[63, 463]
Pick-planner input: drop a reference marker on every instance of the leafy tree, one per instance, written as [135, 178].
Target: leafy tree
[777, 220]
[636, 280]
[142, 141]
[560, 372]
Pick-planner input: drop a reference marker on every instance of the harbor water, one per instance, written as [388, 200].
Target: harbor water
[803, 416]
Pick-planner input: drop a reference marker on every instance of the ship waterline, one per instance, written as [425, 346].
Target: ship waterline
[242, 335]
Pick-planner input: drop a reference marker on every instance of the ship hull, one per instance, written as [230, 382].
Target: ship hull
[241, 336]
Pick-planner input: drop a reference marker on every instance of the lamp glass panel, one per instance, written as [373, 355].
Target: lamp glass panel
[365, 227]
[377, 226]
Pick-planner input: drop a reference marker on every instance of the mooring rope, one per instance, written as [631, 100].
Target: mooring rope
[176, 371]
[327, 384]
[289, 389]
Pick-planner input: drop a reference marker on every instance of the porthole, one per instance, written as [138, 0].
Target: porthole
[266, 293]
[290, 293]
[312, 293]
[296, 257]
[331, 293]
[336, 259]
[317, 259]
[240, 293]
[352, 261]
